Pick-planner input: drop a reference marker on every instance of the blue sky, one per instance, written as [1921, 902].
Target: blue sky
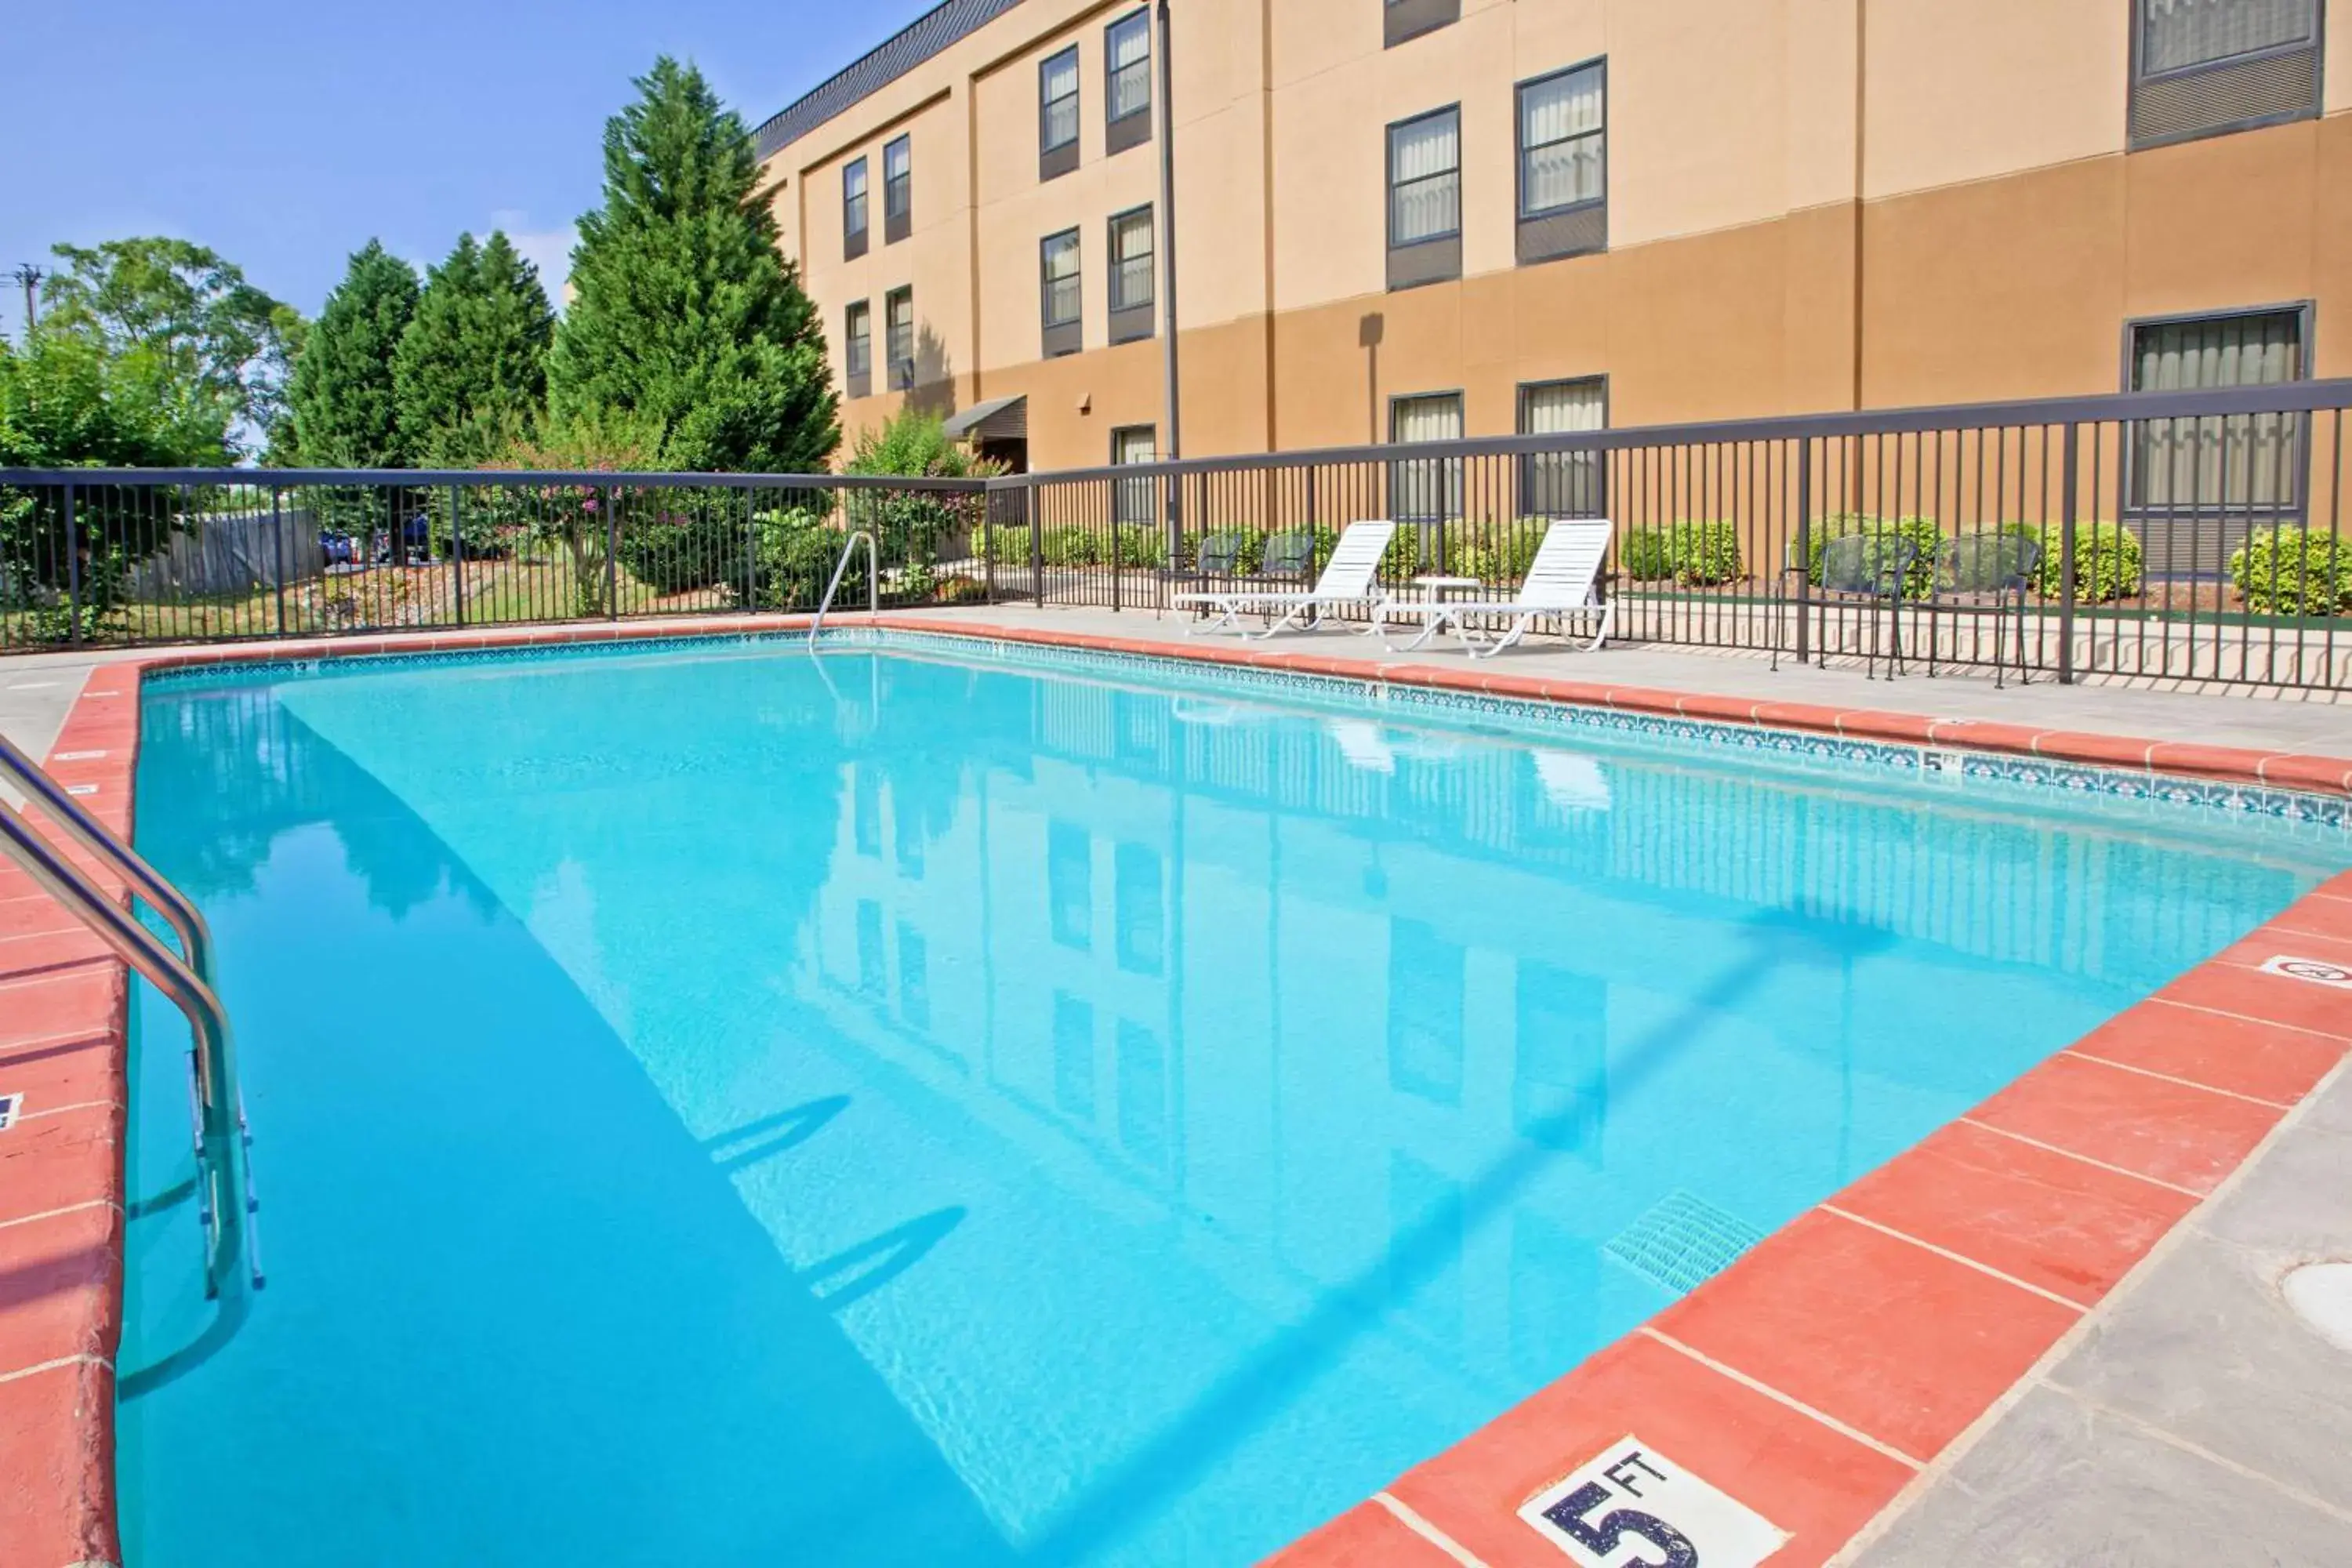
[284, 135]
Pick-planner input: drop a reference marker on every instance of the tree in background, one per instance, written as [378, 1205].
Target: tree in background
[182, 324]
[683, 313]
[470, 372]
[345, 415]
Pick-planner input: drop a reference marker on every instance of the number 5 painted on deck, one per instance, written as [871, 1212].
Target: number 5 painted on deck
[1629, 1507]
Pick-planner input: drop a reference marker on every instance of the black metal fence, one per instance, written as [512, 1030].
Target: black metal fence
[2173, 536]
[112, 557]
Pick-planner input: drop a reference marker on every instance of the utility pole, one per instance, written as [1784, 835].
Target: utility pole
[30, 277]
[1172, 445]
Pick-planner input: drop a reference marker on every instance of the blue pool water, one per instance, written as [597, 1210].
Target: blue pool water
[719, 1105]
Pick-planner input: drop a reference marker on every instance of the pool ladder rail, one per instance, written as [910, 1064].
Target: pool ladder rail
[226, 1204]
[873, 580]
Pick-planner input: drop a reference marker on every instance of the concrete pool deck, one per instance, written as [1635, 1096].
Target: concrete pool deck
[2050, 1335]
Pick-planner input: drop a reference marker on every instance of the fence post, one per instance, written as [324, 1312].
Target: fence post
[751, 553]
[2066, 519]
[1036, 542]
[73, 570]
[611, 556]
[1117, 567]
[1804, 561]
[278, 553]
[456, 557]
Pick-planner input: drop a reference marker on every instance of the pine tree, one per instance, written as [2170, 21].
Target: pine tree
[342, 393]
[683, 313]
[471, 370]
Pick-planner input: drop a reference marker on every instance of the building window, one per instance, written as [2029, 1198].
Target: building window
[914, 977]
[1134, 500]
[1564, 484]
[1426, 490]
[1127, 66]
[2198, 483]
[898, 190]
[1069, 884]
[1425, 199]
[857, 350]
[1057, 292]
[2202, 66]
[898, 323]
[853, 208]
[1402, 19]
[1057, 114]
[1130, 276]
[1564, 164]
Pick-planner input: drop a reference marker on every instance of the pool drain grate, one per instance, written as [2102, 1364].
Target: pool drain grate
[1681, 1242]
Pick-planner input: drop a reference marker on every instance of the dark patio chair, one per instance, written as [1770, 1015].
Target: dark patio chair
[1288, 557]
[1986, 570]
[1870, 567]
[1218, 556]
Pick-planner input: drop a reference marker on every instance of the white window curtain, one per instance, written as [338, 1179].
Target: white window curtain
[860, 335]
[1058, 86]
[2180, 33]
[1130, 248]
[2236, 460]
[1132, 500]
[1426, 490]
[1425, 178]
[899, 321]
[853, 197]
[1062, 279]
[1562, 140]
[1128, 46]
[1563, 484]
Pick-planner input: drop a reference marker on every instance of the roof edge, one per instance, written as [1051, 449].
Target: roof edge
[926, 36]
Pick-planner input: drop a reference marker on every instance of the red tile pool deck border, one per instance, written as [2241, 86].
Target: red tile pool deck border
[1812, 1380]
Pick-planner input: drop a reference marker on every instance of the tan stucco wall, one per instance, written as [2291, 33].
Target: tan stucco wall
[1963, 224]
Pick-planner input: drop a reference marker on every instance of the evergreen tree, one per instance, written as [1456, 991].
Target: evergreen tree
[342, 393]
[683, 313]
[471, 370]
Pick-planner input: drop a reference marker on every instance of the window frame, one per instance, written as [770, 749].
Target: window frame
[1402, 21]
[904, 293]
[858, 379]
[1433, 258]
[1061, 335]
[1123, 491]
[2140, 73]
[2141, 76]
[854, 240]
[1133, 320]
[1133, 127]
[1537, 236]
[899, 191]
[1389, 134]
[1520, 403]
[1057, 158]
[1453, 475]
[2135, 507]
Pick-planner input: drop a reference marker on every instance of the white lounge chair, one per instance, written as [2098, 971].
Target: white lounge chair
[1563, 580]
[1347, 579]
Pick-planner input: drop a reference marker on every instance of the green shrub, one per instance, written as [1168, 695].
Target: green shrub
[677, 544]
[1693, 555]
[2107, 563]
[1140, 544]
[793, 555]
[2283, 571]
[1924, 534]
[1401, 560]
[1069, 547]
[1500, 559]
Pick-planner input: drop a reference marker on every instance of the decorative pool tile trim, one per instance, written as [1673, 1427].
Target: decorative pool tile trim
[1680, 1382]
[1433, 693]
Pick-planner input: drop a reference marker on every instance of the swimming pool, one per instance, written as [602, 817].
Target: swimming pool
[718, 1104]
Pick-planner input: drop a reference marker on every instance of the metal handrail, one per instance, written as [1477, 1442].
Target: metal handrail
[873, 580]
[222, 1139]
